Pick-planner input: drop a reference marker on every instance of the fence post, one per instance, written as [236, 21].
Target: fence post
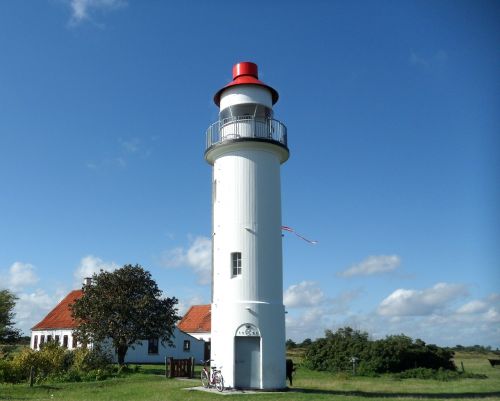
[172, 367]
[192, 367]
[166, 366]
[32, 375]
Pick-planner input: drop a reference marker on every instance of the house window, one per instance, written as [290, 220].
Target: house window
[74, 343]
[236, 263]
[187, 345]
[57, 340]
[42, 340]
[49, 339]
[65, 341]
[35, 342]
[153, 346]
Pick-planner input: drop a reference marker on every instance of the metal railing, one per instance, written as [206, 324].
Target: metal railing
[246, 127]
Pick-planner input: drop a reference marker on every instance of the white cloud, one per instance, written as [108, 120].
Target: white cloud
[89, 265]
[81, 10]
[315, 311]
[473, 307]
[21, 275]
[403, 302]
[185, 304]
[311, 323]
[373, 265]
[197, 257]
[306, 293]
[32, 307]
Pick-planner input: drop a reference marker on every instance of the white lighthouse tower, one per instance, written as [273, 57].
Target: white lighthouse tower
[246, 148]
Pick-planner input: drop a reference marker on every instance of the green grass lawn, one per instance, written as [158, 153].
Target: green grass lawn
[149, 384]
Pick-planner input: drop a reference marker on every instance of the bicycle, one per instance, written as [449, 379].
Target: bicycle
[214, 379]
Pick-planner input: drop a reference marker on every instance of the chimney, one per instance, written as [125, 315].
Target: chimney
[87, 281]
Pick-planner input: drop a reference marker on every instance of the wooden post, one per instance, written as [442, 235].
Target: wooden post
[172, 367]
[463, 369]
[192, 368]
[166, 366]
[32, 376]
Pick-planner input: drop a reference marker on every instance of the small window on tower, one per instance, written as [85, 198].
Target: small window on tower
[187, 345]
[236, 263]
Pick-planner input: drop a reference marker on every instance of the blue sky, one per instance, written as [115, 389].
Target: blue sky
[392, 115]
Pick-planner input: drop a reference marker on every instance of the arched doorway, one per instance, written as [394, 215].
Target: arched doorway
[247, 357]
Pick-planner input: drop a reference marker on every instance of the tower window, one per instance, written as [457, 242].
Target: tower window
[236, 263]
[187, 345]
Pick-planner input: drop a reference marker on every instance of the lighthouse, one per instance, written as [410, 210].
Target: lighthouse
[246, 148]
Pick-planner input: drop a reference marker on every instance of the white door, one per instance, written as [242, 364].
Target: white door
[247, 362]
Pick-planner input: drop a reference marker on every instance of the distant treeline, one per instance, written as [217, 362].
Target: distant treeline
[480, 349]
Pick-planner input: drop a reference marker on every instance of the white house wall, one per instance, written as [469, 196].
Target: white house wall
[52, 332]
[140, 352]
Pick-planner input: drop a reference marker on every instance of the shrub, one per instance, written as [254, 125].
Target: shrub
[24, 360]
[7, 351]
[9, 373]
[335, 353]
[86, 359]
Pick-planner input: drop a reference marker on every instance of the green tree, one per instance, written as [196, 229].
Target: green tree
[124, 306]
[8, 334]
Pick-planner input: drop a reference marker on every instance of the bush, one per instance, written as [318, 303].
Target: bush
[86, 360]
[9, 373]
[335, 353]
[55, 363]
[7, 351]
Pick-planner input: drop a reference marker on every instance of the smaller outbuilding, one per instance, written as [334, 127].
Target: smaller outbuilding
[197, 322]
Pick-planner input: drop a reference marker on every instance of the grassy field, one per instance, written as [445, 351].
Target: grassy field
[149, 384]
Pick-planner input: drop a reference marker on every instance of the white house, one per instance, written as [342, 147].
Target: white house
[58, 326]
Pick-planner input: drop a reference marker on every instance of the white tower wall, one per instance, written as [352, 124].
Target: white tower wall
[248, 316]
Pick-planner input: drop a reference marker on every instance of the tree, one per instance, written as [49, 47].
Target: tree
[124, 306]
[8, 334]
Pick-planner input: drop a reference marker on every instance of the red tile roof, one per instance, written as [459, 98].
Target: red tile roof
[60, 316]
[198, 319]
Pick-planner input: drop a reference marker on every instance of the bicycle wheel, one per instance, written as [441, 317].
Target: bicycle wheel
[204, 378]
[219, 381]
